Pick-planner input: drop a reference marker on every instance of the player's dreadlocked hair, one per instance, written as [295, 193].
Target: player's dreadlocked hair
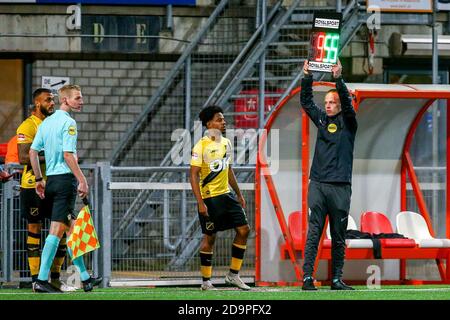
[208, 113]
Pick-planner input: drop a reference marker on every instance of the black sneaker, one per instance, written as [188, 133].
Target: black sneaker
[340, 285]
[90, 283]
[44, 287]
[308, 284]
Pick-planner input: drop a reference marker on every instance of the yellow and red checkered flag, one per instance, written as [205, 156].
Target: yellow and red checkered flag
[83, 238]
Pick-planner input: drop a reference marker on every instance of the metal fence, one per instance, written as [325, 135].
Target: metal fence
[13, 229]
[158, 245]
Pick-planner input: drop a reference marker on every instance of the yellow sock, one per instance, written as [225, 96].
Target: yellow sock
[33, 252]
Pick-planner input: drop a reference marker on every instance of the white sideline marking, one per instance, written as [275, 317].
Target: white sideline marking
[327, 289]
[149, 291]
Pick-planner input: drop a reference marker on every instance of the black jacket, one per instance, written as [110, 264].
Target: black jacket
[333, 156]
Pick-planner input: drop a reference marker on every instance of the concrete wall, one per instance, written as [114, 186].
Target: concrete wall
[13, 24]
[115, 92]
[357, 47]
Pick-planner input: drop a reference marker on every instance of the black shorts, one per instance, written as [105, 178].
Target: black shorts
[32, 208]
[225, 212]
[61, 192]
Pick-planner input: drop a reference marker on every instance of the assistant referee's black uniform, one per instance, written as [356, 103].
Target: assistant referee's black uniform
[331, 173]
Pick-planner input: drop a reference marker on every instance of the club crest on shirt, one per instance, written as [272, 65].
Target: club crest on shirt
[210, 226]
[72, 130]
[34, 211]
[332, 128]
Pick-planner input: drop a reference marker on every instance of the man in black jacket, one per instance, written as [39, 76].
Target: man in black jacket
[331, 173]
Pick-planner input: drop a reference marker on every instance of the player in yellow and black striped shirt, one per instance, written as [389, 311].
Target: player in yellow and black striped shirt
[210, 177]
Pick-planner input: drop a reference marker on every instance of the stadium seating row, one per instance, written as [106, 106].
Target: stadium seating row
[419, 245]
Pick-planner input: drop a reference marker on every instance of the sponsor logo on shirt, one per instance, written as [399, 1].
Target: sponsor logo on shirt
[332, 128]
[72, 130]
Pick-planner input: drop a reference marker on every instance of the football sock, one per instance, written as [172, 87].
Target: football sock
[55, 270]
[237, 256]
[33, 253]
[206, 265]
[48, 254]
[79, 263]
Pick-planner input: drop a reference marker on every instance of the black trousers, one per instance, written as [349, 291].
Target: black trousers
[332, 199]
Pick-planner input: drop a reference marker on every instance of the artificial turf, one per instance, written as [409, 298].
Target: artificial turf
[423, 292]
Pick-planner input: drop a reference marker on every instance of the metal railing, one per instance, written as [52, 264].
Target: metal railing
[161, 246]
[161, 242]
[13, 228]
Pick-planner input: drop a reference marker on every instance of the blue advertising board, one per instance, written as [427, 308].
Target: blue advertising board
[109, 2]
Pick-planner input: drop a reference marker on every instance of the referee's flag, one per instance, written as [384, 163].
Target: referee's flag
[83, 238]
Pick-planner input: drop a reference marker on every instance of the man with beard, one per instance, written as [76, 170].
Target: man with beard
[34, 209]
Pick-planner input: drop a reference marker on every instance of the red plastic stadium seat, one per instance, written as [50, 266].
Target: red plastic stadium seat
[295, 228]
[376, 223]
[327, 243]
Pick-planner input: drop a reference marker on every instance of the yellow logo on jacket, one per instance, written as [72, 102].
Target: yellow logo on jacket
[332, 128]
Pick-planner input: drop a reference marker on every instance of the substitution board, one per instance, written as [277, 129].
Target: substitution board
[325, 40]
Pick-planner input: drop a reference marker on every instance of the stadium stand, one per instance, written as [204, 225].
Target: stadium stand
[421, 245]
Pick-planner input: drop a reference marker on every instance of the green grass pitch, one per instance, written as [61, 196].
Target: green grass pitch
[424, 292]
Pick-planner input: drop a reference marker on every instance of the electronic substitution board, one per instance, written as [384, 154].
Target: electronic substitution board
[325, 39]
